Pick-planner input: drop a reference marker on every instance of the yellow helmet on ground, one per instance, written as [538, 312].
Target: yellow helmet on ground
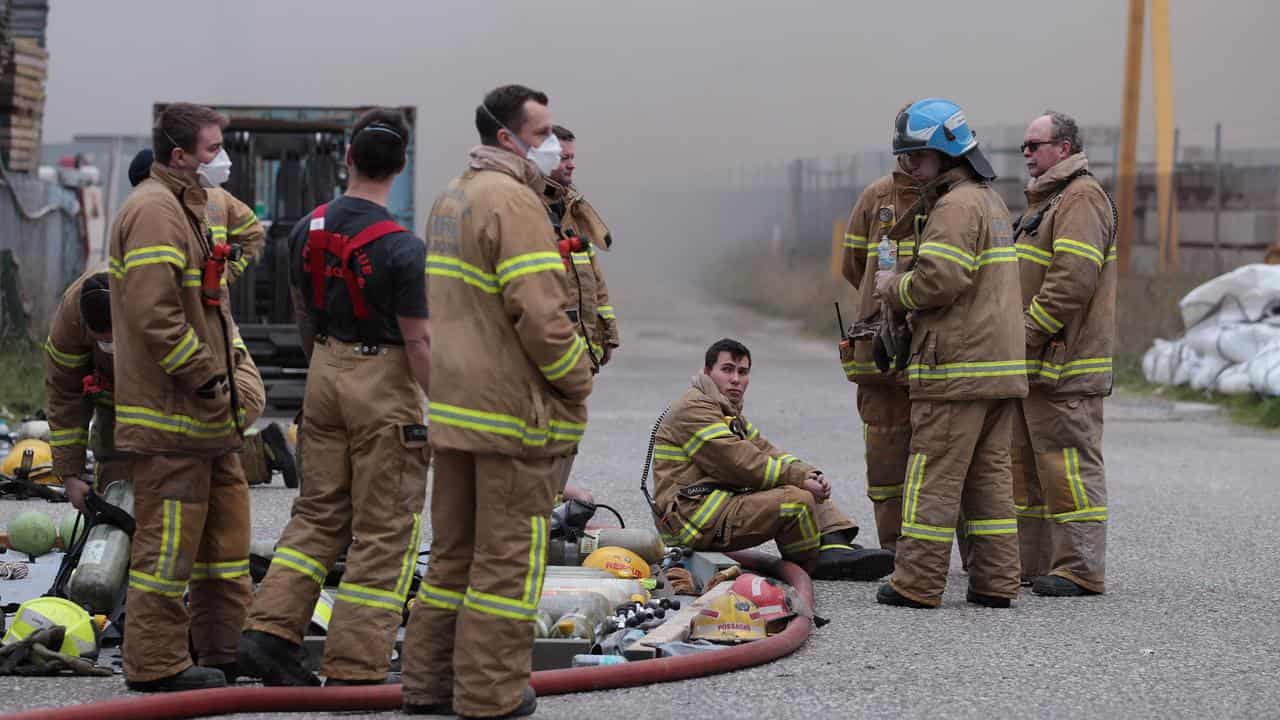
[619, 562]
[730, 618]
[45, 612]
[41, 460]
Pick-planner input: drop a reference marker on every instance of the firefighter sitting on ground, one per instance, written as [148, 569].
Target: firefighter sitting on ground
[721, 486]
[79, 381]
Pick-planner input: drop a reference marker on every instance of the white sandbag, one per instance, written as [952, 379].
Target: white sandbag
[1233, 381]
[1187, 364]
[1169, 362]
[1247, 294]
[1264, 370]
[1206, 371]
[1241, 343]
[1204, 337]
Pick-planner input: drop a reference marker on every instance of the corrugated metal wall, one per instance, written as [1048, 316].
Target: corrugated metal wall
[40, 223]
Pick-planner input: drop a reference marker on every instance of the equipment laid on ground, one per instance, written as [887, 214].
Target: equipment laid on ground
[33, 533]
[619, 562]
[82, 634]
[101, 562]
[731, 618]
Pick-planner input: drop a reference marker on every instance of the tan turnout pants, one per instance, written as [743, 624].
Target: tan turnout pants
[366, 483]
[470, 634]
[1060, 487]
[886, 430]
[192, 532]
[959, 466]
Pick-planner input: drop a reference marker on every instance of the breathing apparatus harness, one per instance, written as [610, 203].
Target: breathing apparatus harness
[571, 242]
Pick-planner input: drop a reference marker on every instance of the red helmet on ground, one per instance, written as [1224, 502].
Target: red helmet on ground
[770, 596]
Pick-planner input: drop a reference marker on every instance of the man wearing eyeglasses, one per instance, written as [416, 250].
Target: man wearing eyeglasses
[1066, 257]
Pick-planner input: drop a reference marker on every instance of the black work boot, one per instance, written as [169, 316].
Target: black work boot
[1058, 586]
[193, 678]
[272, 659]
[841, 539]
[348, 682]
[442, 708]
[278, 455]
[991, 601]
[231, 671]
[838, 563]
[528, 704]
[886, 595]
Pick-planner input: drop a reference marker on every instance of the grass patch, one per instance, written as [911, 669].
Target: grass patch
[21, 380]
[1252, 410]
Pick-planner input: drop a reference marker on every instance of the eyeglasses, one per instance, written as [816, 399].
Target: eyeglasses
[1034, 145]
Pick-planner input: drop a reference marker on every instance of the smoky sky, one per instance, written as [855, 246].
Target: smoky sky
[659, 92]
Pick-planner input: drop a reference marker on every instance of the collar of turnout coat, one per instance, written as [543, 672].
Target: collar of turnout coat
[705, 385]
[1050, 182]
[183, 184]
[486, 157]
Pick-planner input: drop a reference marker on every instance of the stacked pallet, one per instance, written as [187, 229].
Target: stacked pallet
[22, 80]
[24, 64]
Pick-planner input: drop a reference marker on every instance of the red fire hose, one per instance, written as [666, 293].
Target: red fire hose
[222, 701]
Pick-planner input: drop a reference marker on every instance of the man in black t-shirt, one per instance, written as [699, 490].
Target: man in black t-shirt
[361, 280]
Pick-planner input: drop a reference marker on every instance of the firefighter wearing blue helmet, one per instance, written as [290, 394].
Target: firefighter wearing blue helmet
[966, 367]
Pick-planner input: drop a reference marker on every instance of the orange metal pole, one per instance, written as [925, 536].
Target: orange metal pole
[1162, 75]
[1126, 172]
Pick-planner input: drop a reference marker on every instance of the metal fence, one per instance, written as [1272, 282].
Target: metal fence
[40, 223]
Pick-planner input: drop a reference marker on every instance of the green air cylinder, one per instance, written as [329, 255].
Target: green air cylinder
[104, 564]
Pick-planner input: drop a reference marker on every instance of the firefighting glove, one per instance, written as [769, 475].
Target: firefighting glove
[216, 387]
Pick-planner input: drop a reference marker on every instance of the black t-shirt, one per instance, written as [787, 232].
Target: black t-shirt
[393, 269]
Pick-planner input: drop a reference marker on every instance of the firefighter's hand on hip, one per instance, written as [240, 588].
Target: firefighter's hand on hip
[215, 388]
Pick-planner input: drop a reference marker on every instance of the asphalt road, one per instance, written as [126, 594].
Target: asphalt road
[1188, 628]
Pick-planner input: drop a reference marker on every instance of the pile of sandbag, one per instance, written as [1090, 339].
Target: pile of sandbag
[1232, 343]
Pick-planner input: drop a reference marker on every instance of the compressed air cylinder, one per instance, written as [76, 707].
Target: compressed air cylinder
[615, 590]
[100, 576]
[580, 622]
[558, 602]
[645, 542]
[542, 624]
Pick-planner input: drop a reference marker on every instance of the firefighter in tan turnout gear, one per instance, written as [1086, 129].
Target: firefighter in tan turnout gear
[889, 207]
[80, 382]
[361, 277]
[966, 368]
[1066, 253]
[511, 379]
[175, 416]
[719, 485]
[581, 232]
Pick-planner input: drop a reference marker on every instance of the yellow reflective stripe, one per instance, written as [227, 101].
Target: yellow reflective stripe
[369, 597]
[194, 277]
[1031, 253]
[853, 367]
[241, 264]
[752, 431]
[672, 453]
[1083, 366]
[179, 424]
[253, 219]
[439, 597]
[1033, 512]
[526, 264]
[451, 267]
[187, 347]
[700, 438]
[1112, 254]
[170, 538]
[68, 360]
[904, 291]
[880, 493]
[563, 430]
[1002, 526]
[239, 343]
[410, 559]
[537, 560]
[1071, 463]
[950, 253]
[1047, 322]
[606, 312]
[139, 580]
[151, 255]
[66, 437]
[932, 533]
[955, 371]
[809, 538]
[300, 562]
[906, 248]
[992, 256]
[1074, 247]
[772, 471]
[705, 512]
[229, 570]
[855, 242]
[115, 268]
[915, 478]
[1089, 514]
[567, 362]
[499, 606]
[498, 424]
[581, 258]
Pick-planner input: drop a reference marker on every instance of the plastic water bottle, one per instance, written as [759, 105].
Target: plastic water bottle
[887, 253]
[593, 660]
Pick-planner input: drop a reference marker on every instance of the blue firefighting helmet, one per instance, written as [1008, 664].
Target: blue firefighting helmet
[937, 124]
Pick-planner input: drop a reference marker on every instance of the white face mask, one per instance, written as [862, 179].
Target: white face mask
[107, 346]
[546, 156]
[215, 172]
